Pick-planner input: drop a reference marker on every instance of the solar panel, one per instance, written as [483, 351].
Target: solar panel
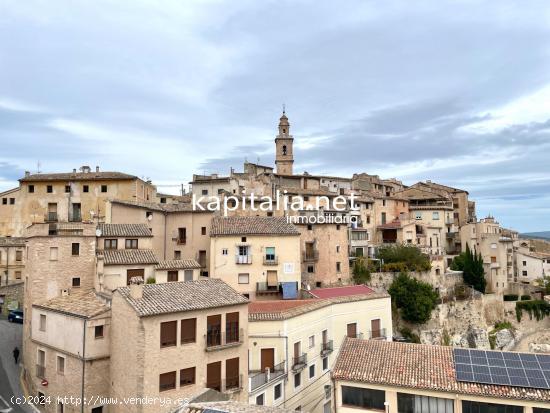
[502, 368]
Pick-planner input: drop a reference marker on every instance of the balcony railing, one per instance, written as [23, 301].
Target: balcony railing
[327, 347]
[271, 261]
[243, 259]
[310, 255]
[75, 217]
[50, 217]
[181, 241]
[377, 334]
[40, 371]
[263, 377]
[299, 363]
[263, 288]
[215, 340]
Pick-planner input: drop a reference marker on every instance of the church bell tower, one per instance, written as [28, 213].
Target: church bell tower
[284, 155]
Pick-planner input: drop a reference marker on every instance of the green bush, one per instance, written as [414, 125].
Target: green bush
[414, 299]
[510, 297]
[535, 308]
[403, 258]
[407, 333]
[361, 272]
[151, 280]
[525, 297]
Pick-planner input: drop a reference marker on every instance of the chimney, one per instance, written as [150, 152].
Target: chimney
[97, 168]
[74, 170]
[27, 174]
[136, 287]
[85, 169]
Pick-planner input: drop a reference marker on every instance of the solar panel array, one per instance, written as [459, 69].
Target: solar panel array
[502, 368]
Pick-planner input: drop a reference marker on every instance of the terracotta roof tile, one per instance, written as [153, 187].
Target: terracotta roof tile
[124, 230]
[123, 257]
[341, 291]
[418, 366]
[78, 176]
[84, 304]
[252, 226]
[176, 297]
[177, 265]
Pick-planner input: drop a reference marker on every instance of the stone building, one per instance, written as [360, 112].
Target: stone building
[293, 344]
[171, 340]
[67, 197]
[372, 375]
[257, 256]
[12, 260]
[530, 266]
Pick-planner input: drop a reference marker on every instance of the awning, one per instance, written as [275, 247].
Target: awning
[290, 290]
[272, 279]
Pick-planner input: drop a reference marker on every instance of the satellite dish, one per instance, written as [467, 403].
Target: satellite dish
[98, 233]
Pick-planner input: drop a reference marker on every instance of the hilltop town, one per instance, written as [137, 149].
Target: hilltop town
[330, 294]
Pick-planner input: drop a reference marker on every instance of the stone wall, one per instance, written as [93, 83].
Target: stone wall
[11, 297]
[445, 283]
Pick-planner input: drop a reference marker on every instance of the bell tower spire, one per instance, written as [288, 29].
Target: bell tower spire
[284, 154]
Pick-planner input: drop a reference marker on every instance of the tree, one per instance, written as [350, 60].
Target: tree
[471, 266]
[361, 273]
[414, 299]
[407, 257]
[544, 283]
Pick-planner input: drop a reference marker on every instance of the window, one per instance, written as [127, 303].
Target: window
[85, 188]
[325, 363]
[338, 248]
[418, 215]
[188, 275]
[310, 269]
[479, 407]
[524, 273]
[12, 201]
[18, 256]
[411, 403]
[173, 276]
[162, 200]
[75, 248]
[203, 230]
[224, 251]
[188, 332]
[311, 341]
[277, 391]
[4, 201]
[98, 409]
[327, 408]
[167, 381]
[98, 332]
[103, 188]
[31, 189]
[49, 189]
[365, 398]
[244, 278]
[338, 227]
[204, 192]
[243, 239]
[177, 255]
[76, 282]
[297, 379]
[182, 235]
[270, 253]
[53, 253]
[187, 376]
[111, 244]
[312, 371]
[168, 331]
[67, 189]
[61, 365]
[524, 263]
[338, 267]
[42, 326]
[260, 400]
[435, 215]
[17, 275]
[540, 410]
[131, 244]
[309, 227]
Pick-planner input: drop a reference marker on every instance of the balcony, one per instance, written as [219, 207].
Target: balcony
[377, 334]
[310, 256]
[271, 260]
[217, 340]
[40, 371]
[327, 348]
[260, 378]
[263, 288]
[75, 217]
[299, 363]
[243, 259]
[50, 217]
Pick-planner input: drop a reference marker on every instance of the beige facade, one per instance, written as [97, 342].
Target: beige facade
[68, 197]
[531, 266]
[149, 358]
[297, 343]
[12, 260]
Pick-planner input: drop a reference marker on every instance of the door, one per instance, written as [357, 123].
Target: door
[52, 212]
[232, 376]
[383, 218]
[213, 330]
[232, 327]
[214, 375]
[135, 273]
[77, 217]
[267, 357]
[309, 250]
[172, 276]
[296, 352]
[272, 281]
[352, 330]
[188, 275]
[375, 328]
[202, 258]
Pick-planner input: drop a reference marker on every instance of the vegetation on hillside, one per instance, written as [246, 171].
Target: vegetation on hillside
[415, 299]
[403, 258]
[544, 283]
[471, 266]
[361, 271]
[535, 308]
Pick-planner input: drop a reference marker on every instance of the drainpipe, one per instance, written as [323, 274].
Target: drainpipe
[83, 366]
[334, 395]
[164, 237]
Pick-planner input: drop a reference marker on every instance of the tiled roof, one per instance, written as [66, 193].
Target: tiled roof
[176, 297]
[231, 406]
[418, 366]
[395, 224]
[84, 304]
[252, 226]
[12, 242]
[124, 230]
[282, 309]
[122, 257]
[78, 176]
[152, 206]
[302, 191]
[177, 265]
[341, 291]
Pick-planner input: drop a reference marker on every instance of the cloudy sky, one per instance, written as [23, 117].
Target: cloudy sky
[453, 91]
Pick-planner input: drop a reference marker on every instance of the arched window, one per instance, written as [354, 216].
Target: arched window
[284, 149]
[284, 130]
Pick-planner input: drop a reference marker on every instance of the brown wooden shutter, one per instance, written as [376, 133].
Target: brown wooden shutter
[352, 330]
[187, 376]
[188, 330]
[168, 333]
[232, 379]
[167, 381]
[267, 358]
[214, 375]
[375, 328]
[172, 276]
